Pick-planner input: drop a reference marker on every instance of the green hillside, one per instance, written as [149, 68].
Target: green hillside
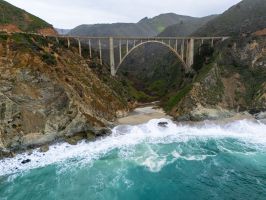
[248, 16]
[145, 27]
[185, 28]
[20, 19]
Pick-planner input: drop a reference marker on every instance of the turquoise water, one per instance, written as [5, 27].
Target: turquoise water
[146, 162]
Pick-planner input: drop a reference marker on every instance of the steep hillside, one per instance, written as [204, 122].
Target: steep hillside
[48, 91]
[247, 16]
[145, 27]
[234, 80]
[185, 28]
[14, 19]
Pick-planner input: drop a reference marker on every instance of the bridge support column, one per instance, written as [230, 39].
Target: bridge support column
[120, 51]
[112, 56]
[90, 48]
[100, 51]
[127, 47]
[79, 47]
[68, 43]
[182, 49]
[190, 54]
[176, 45]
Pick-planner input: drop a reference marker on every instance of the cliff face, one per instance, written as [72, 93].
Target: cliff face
[48, 91]
[234, 80]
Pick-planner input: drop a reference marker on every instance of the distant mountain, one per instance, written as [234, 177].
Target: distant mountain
[248, 16]
[14, 19]
[187, 27]
[145, 27]
[61, 31]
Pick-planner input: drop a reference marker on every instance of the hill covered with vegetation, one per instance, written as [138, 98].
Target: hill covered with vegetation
[145, 27]
[187, 27]
[246, 17]
[13, 19]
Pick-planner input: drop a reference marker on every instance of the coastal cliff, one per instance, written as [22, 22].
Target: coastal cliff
[48, 92]
[233, 80]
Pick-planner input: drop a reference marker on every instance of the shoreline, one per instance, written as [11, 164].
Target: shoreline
[140, 115]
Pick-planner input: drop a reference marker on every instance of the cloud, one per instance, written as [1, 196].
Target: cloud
[69, 13]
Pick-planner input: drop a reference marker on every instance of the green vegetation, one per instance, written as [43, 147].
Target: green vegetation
[145, 27]
[26, 22]
[158, 74]
[174, 100]
[203, 56]
[248, 16]
[49, 59]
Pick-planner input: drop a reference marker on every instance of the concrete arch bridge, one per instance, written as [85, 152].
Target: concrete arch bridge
[122, 47]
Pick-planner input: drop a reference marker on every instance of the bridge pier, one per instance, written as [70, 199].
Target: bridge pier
[79, 47]
[182, 49]
[190, 54]
[112, 56]
[68, 43]
[120, 51]
[100, 51]
[90, 48]
[127, 47]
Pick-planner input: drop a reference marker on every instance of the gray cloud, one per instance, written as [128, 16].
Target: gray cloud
[69, 13]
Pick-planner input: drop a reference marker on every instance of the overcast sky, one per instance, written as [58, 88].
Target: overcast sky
[70, 13]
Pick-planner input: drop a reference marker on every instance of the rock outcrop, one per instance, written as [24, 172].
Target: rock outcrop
[48, 91]
[234, 81]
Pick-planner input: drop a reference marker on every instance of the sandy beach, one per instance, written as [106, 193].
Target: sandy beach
[142, 115]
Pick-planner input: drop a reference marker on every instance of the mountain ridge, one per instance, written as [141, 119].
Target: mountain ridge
[145, 27]
[246, 17]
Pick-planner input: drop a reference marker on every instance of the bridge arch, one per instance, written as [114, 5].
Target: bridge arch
[179, 57]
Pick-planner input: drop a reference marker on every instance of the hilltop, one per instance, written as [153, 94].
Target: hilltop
[246, 17]
[14, 19]
[185, 28]
[145, 27]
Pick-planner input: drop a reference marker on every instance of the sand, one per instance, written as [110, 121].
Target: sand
[142, 115]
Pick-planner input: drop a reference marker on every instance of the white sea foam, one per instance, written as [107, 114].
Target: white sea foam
[125, 138]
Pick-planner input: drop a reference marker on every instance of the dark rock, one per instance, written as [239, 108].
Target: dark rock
[90, 135]
[30, 152]
[102, 132]
[6, 153]
[25, 161]
[73, 140]
[260, 116]
[163, 124]
[44, 148]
